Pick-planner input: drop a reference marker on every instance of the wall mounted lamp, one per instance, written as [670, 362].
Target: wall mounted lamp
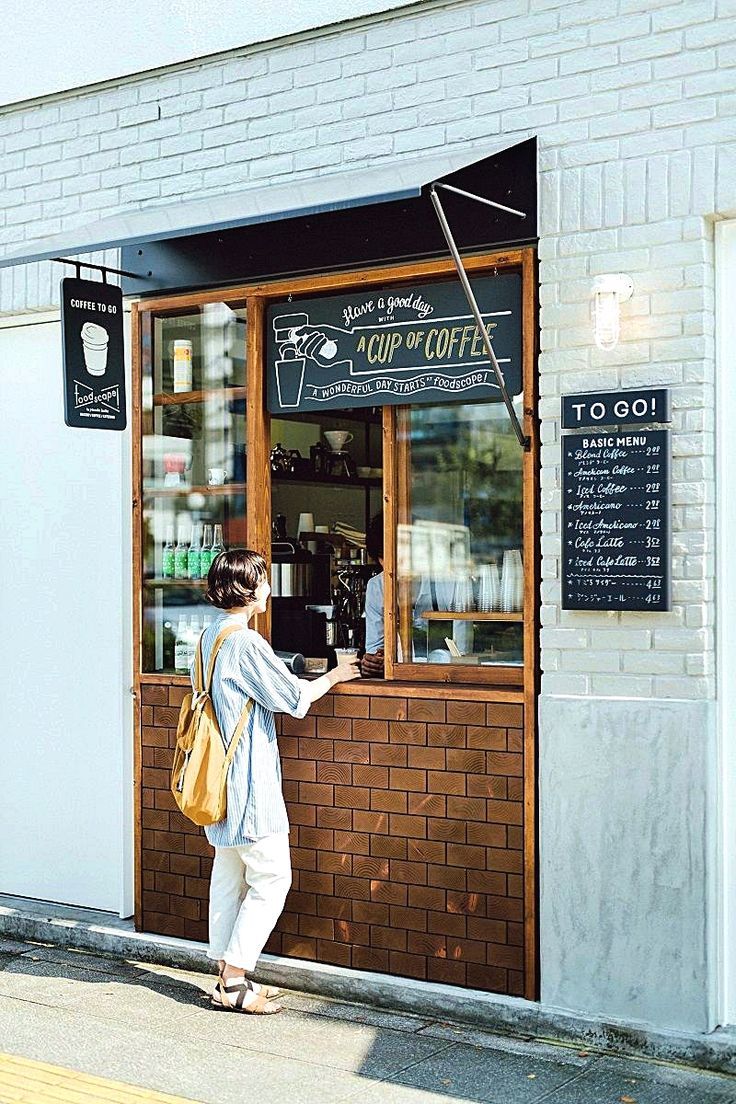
[609, 292]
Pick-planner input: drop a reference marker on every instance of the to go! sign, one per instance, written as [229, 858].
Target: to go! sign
[607, 408]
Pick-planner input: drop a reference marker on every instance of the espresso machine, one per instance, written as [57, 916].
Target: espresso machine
[300, 579]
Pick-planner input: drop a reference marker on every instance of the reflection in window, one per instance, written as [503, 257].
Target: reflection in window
[459, 536]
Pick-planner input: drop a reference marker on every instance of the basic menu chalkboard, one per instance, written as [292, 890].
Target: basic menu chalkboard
[616, 541]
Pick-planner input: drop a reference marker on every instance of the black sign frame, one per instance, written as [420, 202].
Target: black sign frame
[417, 343]
[93, 354]
[616, 540]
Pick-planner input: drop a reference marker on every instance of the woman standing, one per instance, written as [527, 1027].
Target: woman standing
[251, 873]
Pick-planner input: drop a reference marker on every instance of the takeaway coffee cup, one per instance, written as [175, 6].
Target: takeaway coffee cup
[350, 654]
[95, 341]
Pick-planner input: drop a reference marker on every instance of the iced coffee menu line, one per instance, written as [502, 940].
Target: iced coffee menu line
[616, 504]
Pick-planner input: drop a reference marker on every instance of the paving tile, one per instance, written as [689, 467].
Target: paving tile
[334, 1044]
[82, 960]
[646, 1083]
[181, 988]
[13, 947]
[204, 1072]
[512, 1044]
[485, 1075]
[356, 1013]
[42, 983]
[121, 1000]
[171, 975]
[388, 1092]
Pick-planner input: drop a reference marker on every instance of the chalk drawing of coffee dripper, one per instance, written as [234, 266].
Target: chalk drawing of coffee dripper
[298, 342]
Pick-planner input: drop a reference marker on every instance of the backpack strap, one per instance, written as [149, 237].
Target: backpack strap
[198, 687]
[240, 726]
[199, 664]
[247, 708]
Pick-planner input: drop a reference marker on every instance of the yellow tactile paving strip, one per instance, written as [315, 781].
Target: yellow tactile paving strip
[23, 1081]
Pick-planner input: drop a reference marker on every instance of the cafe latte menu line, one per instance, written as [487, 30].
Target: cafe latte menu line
[616, 508]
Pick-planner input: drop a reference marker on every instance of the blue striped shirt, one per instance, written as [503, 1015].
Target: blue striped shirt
[247, 667]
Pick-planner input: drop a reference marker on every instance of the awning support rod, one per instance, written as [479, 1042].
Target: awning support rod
[104, 269]
[480, 199]
[523, 440]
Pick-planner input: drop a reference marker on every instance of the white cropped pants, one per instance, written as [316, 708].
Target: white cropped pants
[248, 889]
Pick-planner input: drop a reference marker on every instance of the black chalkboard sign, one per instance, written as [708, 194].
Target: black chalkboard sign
[616, 532]
[94, 364]
[381, 347]
[607, 408]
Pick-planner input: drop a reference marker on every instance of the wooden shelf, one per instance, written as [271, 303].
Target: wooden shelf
[181, 398]
[470, 615]
[190, 584]
[328, 481]
[240, 488]
[172, 492]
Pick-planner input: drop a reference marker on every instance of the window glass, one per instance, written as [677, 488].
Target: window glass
[459, 536]
[193, 471]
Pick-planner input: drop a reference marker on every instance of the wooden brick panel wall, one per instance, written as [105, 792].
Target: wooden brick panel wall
[407, 837]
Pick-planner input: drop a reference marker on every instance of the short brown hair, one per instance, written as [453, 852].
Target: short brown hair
[234, 577]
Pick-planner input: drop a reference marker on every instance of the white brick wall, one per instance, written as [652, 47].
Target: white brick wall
[635, 112]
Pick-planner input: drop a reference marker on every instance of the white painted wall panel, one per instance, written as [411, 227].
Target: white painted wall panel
[64, 646]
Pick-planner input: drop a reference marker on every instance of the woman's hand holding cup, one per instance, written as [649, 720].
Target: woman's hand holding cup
[347, 668]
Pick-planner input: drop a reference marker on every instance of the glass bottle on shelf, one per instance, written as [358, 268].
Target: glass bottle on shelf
[193, 638]
[181, 555]
[194, 567]
[168, 560]
[181, 646]
[218, 544]
[205, 555]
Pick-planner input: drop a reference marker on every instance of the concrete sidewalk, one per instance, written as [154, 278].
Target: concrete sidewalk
[151, 1026]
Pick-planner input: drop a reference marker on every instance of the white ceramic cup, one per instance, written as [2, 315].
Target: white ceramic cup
[95, 340]
[337, 439]
[216, 476]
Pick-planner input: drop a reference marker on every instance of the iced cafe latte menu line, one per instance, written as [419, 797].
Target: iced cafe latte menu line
[616, 527]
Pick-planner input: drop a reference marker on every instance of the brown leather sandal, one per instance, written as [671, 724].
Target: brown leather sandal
[268, 991]
[239, 995]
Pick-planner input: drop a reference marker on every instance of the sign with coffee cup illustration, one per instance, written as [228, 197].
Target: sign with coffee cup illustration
[94, 364]
[416, 344]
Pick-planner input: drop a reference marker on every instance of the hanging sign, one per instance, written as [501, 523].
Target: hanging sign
[94, 366]
[413, 344]
[606, 408]
[615, 520]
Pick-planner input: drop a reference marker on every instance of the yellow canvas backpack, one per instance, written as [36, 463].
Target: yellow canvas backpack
[199, 773]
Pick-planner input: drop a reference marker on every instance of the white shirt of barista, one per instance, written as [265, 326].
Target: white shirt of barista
[462, 631]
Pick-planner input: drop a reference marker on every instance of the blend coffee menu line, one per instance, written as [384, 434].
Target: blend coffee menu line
[616, 520]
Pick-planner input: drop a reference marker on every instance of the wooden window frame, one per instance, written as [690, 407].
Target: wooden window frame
[258, 482]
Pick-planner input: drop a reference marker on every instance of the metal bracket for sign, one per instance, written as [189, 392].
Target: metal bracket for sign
[104, 269]
[523, 440]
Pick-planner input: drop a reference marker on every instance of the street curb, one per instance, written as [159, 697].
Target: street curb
[85, 929]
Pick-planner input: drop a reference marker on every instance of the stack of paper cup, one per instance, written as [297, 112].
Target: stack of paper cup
[95, 340]
[489, 594]
[305, 525]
